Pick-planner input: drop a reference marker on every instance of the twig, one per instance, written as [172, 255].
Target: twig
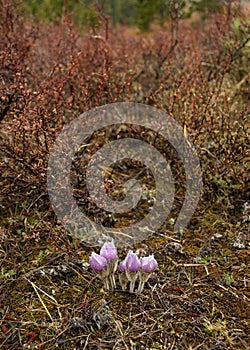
[41, 300]
[87, 341]
[228, 290]
[189, 265]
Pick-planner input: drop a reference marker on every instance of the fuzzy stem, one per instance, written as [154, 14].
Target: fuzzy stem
[132, 286]
[141, 286]
[112, 281]
[112, 265]
[132, 277]
[123, 280]
[106, 284]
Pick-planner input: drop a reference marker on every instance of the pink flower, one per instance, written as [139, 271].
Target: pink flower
[148, 264]
[132, 262]
[97, 262]
[122, 266]
[109, 251]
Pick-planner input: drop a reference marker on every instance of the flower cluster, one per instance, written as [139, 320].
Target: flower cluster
[130, 269]
[105, 264]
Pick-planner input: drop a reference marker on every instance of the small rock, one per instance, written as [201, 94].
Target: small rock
[174, 247]
[217, 236]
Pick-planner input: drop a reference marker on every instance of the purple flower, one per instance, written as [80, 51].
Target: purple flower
[148, 264]
[122, 275]
[122, 266]
[97, 262]
[132, 262]
[109, 251]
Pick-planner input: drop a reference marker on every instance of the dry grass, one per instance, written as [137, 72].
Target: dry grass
[198, 299]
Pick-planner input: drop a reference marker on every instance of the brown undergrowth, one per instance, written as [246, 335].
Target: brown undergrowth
[198, 298]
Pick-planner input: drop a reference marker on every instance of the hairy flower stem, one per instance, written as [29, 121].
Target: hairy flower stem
[132, 277]
[123, 280]
[141, 286]
[104, 276]
[112, 281]
[113, 265]
[132, 286]
[143, 277]
[106, 284]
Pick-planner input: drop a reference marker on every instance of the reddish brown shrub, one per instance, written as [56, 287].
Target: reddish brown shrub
[51, 74]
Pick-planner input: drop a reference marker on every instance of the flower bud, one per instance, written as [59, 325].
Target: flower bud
[122, 266]
[97, 262]
[132, 262]
[148, 264]
[122, 275]
[132, 267]
[109, 251]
